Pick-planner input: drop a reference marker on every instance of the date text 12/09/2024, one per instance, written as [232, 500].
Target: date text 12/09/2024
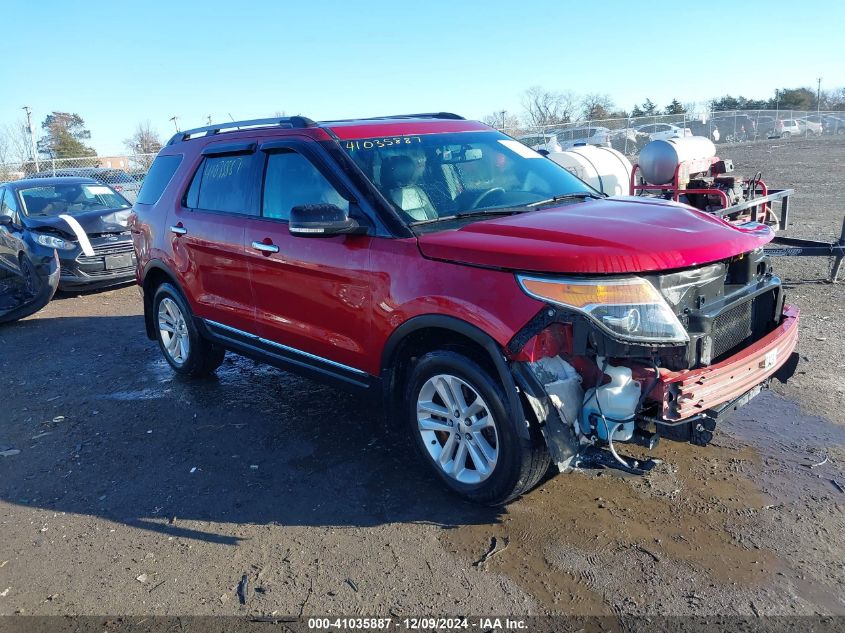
[417, 624]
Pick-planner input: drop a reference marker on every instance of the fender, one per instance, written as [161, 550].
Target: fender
[494, 351]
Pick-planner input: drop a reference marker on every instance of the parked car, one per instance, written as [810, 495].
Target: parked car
[484, 292]
[833, 125]
[710, 129]
[117, 179]
[736, 127]
[628, 140]
[548, 142]
[584, 136]
[809, 127]
[663, 131]
[560, 140]
[765, 125]
[784, 128]
[829, 123]
[81, 219]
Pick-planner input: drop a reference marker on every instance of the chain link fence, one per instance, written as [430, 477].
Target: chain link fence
[123, 173]
[629, 135]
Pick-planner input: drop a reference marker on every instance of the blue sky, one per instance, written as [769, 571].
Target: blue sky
[118, 63]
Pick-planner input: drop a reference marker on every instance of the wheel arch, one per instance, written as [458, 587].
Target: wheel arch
[156, 273]
[430, 332]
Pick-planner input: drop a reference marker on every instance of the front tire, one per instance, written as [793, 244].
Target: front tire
[458, 417]
[31, 281]
[182, 345]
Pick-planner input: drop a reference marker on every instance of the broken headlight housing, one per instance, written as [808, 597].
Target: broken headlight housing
[629, 308]
[51, 241]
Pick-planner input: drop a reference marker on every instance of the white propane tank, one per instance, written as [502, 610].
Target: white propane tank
[659, 159]
[603, 168]
[618, 400]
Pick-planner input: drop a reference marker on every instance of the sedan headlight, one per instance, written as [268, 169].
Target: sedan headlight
[629, 308]
[51, 241]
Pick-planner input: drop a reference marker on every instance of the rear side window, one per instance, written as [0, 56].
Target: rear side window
[224, 183]
[292, 180]
[161, 171]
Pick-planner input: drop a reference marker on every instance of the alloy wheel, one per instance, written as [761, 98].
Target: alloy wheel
[457, 428]
[173, 331]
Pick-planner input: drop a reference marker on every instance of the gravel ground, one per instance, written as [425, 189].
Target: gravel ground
[137, 492]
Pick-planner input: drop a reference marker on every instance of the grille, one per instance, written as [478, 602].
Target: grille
[100, 250]
[743, 324]
[110, 273]
[732, 328]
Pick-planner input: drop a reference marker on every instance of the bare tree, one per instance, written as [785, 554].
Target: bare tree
[503, 120]
[596, 106]
[144, 143]
[17, 142]
[544, 107]
[5, 148]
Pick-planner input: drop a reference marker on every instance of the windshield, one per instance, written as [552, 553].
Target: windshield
[71, 199]
[435, 176]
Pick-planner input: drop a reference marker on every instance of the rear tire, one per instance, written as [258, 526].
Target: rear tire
[181, 343]
[458, 418]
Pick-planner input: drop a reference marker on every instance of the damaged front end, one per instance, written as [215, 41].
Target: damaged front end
[25, 294]
[633, 359]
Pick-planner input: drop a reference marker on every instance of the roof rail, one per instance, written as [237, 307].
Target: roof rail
[420, 115]
[426, 115]
[234, 126]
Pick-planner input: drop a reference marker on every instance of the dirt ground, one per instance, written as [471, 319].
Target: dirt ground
[137, 492]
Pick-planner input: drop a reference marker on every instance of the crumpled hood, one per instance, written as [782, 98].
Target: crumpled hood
[613, 235]
[92, 222]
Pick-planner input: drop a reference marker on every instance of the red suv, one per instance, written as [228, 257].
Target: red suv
[510, 315]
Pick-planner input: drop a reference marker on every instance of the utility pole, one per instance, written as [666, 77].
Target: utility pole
[31, 137]
[176, 125]
[503, 118]
[819, 98]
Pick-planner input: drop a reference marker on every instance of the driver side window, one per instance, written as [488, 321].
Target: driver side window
[8, 204]
[292, 180]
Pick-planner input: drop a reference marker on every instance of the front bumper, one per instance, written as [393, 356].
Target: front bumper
[684, 394]
[112, 263]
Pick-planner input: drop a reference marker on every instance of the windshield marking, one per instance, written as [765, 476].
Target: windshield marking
[382, 142]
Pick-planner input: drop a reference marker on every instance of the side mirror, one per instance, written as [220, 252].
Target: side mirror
[322, 220]
[6, 221]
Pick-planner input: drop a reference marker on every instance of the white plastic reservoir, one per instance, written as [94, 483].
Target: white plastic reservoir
[615, 404]
[659, 159]
[603, 168]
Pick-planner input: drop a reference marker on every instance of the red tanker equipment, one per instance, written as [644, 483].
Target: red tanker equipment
[687, 170]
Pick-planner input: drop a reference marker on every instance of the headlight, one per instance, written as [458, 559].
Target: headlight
[51, 241]
[630, 308]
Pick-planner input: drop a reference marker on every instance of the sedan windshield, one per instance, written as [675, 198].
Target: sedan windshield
[71, 199]
[433, 177]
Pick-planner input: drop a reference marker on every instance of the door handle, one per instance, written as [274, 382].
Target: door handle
[265, 248]
[178, 229]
